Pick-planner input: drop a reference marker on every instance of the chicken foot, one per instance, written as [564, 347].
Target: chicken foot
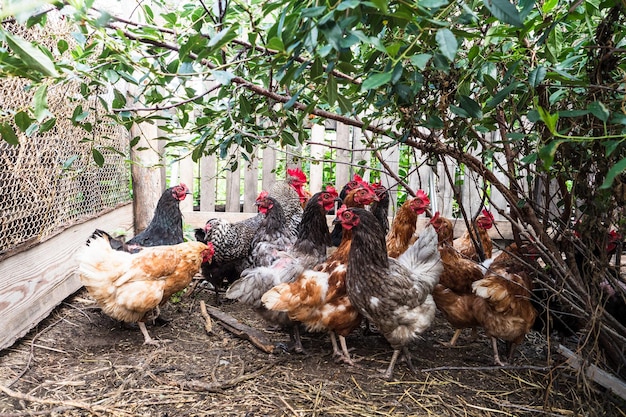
[343, 354]
[394, 358]
[146, 336]
[496, 356]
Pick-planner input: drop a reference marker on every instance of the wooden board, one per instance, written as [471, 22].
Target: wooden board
[34, 282]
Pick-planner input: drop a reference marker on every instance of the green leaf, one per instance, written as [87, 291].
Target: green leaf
[598, 109]
[505, 12]
[31, 56]
[420, 60]
[331, 90]
[547, 152]
[375, 81]
[97, 157]
[22, 120]
[62, 46]
[613, 172]
[433, 4]
[40, 103]
[348, 4]
[68, 162]
[447, 43]
[610, 147]
[549, 119]
[8, 134]
[47, 125]
[502, 94]
[313, 11]
[537, 76]
[549, 5]
[276, 44]
[223, 77]
[471, 107]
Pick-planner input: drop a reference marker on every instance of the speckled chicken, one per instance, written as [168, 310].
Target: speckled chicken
[232, 241]
[317, 297]
[466, 246]
[393, 294]
[308, 250]
[273, 235]
[128, 286]
[402, 232]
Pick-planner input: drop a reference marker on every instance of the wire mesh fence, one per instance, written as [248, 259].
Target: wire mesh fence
[49, 181]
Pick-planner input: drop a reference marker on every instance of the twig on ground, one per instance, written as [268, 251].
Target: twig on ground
[64, 403]
[208, 324]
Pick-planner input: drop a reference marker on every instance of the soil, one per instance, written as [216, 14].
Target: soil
[79, 362]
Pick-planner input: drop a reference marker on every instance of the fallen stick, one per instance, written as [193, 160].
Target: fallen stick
[608, 381]
[254, 336]
[208, 324]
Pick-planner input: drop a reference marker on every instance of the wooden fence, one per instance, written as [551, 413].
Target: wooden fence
[342, 150]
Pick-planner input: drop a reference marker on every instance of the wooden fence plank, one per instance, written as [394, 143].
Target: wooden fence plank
[344, 158]
[208, 180]
[186, 176]
[316, 170]
[34, 282]
[250, 185]
[269, 163]
[233, 189]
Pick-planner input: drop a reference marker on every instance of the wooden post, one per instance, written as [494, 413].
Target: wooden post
[316, 172]
[233, 189]
[497, 199]
[208, 181]
[445, 191]
[344, 158]
[250, 184]
[146, 175]
[269, 163]
[391, 158]
[359, 155]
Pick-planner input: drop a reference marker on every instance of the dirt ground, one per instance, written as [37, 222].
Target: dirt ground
[79, 362]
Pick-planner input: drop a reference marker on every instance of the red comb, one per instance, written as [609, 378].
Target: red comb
[487, 214]
[297, 173]
[262, 195]
[422, 196]
[332, 190]
[435, 217]
[342, 209]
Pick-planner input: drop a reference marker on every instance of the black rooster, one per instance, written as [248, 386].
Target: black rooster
[166, 226]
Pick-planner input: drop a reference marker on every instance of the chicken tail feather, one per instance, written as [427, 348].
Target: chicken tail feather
[423, 259]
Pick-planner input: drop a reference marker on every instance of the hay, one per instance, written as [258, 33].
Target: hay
[79, 361]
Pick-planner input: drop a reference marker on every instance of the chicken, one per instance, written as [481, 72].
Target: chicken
[503, 304]
[308, 250]
[317, 297]
[380, 208]
[453, 295]
[128, 286]
[357, 182]
[393, 294]
[465, 244]
[273, 235]
[166, 226]
[404, 223]
[291, 196]
[232, 241]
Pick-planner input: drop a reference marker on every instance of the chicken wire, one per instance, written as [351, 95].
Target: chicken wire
[49, 181]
